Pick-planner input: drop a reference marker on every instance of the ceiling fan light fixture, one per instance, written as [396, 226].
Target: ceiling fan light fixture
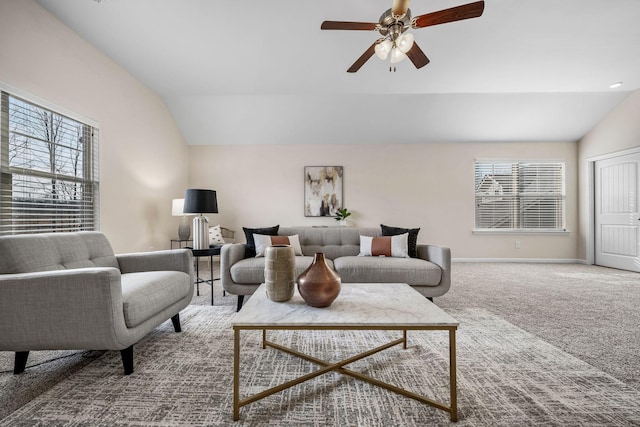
[383, 48]
[405, 42]
[397, 55]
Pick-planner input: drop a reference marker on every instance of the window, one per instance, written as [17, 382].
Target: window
[520, 196]
[48, 170]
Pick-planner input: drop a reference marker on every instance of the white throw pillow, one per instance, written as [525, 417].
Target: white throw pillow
[215, 235]
[263, 242]
[393, 246]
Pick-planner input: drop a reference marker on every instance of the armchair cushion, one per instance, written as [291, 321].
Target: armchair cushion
[55, 251]
[175, 260]
[146, 294]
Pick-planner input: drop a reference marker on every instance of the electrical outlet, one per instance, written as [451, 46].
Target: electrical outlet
[517, 244]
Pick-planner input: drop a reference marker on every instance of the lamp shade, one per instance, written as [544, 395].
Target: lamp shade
[177, 207]
[405, 42]
[397, 55]
[200, 201]
[383, 48]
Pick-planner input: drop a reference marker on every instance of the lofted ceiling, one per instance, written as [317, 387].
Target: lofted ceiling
[262, 71]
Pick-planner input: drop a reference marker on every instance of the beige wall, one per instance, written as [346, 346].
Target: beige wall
[430, 186]
[618, 131]
[143, 157]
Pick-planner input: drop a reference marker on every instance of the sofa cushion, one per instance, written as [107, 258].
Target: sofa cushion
[333, 242]
[413, 237]
[388, 246]
[148, 293]
[263, 242]
[250, 249]
[251, 270]
[354, 269]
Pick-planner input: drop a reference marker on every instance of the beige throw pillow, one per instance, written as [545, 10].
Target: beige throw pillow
[263, 242]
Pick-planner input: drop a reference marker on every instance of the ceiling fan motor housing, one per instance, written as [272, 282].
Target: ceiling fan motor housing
[393, 27]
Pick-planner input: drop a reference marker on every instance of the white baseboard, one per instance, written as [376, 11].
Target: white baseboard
[527, 260]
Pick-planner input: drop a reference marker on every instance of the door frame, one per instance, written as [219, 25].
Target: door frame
[591, 176]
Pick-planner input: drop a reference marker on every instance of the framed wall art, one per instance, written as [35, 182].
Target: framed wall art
[322, 190]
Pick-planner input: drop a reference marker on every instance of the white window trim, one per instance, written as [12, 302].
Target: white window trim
[60, 111]
[47, 104]
[506, 231]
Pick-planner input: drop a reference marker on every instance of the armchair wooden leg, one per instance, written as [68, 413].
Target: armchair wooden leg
[240, 301]
[176, 322]
[20, 362]
[127, 360]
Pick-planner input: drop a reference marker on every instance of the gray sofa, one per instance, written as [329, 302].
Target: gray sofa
[69, 291]
[429, 274]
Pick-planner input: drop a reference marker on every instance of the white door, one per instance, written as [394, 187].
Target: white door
[617, 216]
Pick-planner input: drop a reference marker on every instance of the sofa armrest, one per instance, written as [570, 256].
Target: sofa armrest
[168, 260]
[440, 256]
[229, 255]
[75, 308]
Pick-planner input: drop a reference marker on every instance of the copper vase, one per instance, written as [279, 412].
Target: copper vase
[319, 285]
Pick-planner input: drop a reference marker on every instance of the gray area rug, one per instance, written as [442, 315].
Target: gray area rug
[506, 375]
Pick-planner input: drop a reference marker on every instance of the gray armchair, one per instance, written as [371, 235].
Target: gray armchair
[70, 291]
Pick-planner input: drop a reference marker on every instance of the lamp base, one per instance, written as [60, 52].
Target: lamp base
[184, 229]
[200, 232]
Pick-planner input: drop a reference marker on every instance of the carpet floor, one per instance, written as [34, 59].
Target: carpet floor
[524, 358]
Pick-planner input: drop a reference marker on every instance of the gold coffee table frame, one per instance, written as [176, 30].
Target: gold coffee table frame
[452, 409]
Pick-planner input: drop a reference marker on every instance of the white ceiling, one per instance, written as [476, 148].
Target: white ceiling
[262, 71]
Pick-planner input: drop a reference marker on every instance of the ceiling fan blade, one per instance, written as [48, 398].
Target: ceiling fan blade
[363, 58]
[417, 56]
[400, 7]
[341, 25]
[466, 11]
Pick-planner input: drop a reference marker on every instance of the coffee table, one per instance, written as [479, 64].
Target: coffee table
[360, 306]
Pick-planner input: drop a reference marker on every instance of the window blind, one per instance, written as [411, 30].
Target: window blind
[48, 170]
[520, 196]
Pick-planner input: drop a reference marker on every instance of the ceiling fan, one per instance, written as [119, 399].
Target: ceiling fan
[393, 25]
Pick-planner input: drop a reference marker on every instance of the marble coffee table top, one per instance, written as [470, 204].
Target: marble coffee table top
[358, 305]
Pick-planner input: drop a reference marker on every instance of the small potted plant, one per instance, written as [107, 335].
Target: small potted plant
[341, 215]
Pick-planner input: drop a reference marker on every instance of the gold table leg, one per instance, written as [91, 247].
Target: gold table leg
[452, 375]
[339, 367]
[236, 374]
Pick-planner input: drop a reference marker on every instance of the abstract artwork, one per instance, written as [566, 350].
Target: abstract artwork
[322, 190]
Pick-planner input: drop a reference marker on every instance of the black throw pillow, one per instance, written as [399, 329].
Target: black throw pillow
[413, 237]
[250, 250]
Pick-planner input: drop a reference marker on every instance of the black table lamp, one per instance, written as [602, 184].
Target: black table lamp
[200, 202]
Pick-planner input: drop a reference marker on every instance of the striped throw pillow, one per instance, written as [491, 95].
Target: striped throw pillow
[387, 246]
